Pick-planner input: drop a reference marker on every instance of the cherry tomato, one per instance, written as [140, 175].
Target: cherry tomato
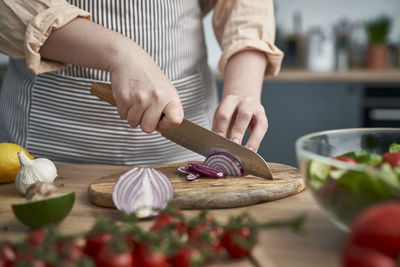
[347, 159]
[238, 242]
[148, 258]
[95, 242]
[203, 225]
[26, 258]
[7, 254]
[30, 263]
[131, 242]
[70, 250]
[355, 256]
[85, 261]
[24, 255]
[378, 228]
[195, 232]
[393, 158]
[166, 219]
[205, 233]
[187, 257]
[108, 258]
[207, 238]
[36, 237]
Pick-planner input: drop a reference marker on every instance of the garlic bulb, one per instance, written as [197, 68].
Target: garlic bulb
[32, 171]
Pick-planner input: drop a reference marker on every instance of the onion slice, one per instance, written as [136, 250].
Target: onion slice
[189, 175]
[226, 163]
[141, 191]
[205, 171]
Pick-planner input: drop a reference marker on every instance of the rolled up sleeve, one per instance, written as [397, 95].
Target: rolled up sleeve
[246, 25]
[26, 25]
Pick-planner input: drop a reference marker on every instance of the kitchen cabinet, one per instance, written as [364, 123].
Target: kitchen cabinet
[297, 109]
[381, 105]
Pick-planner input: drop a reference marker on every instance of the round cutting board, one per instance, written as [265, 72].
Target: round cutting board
[211, 193]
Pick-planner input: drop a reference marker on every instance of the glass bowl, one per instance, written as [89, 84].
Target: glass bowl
[344, 189]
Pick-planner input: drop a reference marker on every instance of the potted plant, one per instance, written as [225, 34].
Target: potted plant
[377, 51]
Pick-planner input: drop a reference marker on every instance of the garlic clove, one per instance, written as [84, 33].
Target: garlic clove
[32, 171]
[40, 190]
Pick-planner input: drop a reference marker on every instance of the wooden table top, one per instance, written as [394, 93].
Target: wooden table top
[319, 246]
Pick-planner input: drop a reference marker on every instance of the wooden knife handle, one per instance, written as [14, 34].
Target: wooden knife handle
[104, 92]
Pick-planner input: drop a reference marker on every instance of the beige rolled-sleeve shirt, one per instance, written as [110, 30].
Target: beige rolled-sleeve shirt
[238, 24]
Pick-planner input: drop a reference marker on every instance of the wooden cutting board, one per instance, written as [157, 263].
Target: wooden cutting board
[211, 193]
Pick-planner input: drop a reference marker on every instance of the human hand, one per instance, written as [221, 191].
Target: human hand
[240, 108]
[142, 92]
[236, 114]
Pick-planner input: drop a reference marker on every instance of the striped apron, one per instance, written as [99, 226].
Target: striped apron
[53, 115]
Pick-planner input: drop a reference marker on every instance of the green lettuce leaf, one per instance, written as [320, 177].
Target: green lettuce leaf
[390, 178]
[361, 183]
[394, 147]
[363, 157]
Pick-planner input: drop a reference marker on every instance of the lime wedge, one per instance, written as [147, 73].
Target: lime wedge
[46, 211]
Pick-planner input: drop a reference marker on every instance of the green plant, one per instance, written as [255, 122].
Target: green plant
[378, 30]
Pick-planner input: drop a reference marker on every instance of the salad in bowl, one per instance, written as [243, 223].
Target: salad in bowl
[349, 170]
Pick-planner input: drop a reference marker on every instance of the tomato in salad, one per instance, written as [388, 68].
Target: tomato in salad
[393, 158]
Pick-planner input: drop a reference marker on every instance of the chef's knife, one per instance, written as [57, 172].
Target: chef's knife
[201, 140]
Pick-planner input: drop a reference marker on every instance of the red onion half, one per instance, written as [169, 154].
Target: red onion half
[226, 163]
[141, 190]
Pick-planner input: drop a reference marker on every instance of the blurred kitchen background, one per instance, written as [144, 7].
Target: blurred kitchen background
[341, 70]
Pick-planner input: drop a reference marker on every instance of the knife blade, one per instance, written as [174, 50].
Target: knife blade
[201, 140]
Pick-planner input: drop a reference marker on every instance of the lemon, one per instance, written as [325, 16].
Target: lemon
[9, 162]
[51, 210]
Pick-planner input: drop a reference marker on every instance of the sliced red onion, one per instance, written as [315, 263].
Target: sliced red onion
[206, 171]
[226, 163]
[141, 190]
[189, 175]
[192, 176]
